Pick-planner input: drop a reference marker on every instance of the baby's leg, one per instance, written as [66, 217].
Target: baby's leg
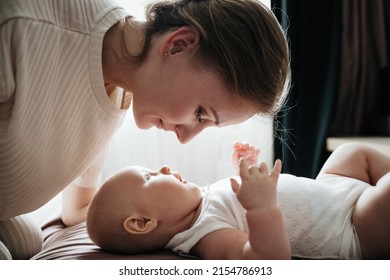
[371, 219]
[357, 161]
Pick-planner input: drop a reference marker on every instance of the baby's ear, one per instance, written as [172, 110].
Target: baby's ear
[139, 224]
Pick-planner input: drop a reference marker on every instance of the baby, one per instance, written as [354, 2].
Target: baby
[262, 214]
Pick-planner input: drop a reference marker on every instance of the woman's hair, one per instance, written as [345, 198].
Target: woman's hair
[241, 39]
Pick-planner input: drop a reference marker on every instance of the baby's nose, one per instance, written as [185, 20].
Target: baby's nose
[165, 170]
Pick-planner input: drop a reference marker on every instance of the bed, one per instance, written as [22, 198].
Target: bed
[73, 243]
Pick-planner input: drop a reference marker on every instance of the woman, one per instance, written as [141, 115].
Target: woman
[190, 65]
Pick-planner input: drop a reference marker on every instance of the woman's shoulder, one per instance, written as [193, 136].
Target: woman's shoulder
[78, 15]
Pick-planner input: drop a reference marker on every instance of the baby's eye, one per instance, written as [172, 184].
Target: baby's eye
[147, 177]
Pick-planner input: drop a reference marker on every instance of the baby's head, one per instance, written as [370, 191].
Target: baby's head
[138, 210]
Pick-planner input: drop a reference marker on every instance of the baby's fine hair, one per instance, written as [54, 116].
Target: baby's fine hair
[105, 223]
[241, 39]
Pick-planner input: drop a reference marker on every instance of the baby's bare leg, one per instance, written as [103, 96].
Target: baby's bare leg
[371, 218]
[357, 161]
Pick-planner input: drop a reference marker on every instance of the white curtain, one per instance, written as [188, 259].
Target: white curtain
[203, 160]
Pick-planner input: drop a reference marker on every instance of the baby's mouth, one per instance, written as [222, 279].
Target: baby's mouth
[181, 179]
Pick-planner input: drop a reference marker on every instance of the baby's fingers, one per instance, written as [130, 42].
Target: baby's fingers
[235, 185]
[276, 170]
[244, 172]
[263, 168]
[237, 145]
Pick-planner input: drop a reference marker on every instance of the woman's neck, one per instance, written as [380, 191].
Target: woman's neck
[121, 41]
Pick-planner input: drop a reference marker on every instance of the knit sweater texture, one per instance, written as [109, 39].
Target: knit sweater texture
[55, 115]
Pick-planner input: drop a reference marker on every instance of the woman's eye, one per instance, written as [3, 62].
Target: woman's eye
[199, 114]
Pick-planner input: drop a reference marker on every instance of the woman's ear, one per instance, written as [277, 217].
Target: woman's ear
[139, 224]
[184, 38]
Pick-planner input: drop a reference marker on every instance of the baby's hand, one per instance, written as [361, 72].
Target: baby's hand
[258, 186]
[246, 151]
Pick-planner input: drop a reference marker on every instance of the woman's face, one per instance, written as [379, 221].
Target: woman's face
[180, 97]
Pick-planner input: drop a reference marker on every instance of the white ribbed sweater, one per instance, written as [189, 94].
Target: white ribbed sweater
[55, 116]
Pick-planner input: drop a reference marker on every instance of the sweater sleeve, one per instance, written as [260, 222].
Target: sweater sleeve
[7, 80]
[91, 177]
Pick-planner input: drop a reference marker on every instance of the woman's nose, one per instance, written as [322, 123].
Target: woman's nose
[165, 170]
[185, 134]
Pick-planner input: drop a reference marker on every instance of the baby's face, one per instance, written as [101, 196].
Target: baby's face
[165, 194]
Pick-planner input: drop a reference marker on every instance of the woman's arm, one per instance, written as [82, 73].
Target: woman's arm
[75, 203]
[77, 196]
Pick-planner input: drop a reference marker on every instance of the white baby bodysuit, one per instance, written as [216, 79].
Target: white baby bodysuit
[317, 216]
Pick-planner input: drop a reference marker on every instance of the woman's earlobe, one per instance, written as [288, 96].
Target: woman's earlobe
[139, 224]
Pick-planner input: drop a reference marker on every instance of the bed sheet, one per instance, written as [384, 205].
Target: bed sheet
[73, 243]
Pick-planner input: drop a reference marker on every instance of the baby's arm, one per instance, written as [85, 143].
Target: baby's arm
[357, 161]
[267, 237]
[246, 151]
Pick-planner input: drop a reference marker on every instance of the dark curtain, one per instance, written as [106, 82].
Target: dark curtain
[340, 52]
[364, 93]
[302, 126]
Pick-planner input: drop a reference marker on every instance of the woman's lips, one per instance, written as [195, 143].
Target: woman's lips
[160, 125]
[177, 134]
